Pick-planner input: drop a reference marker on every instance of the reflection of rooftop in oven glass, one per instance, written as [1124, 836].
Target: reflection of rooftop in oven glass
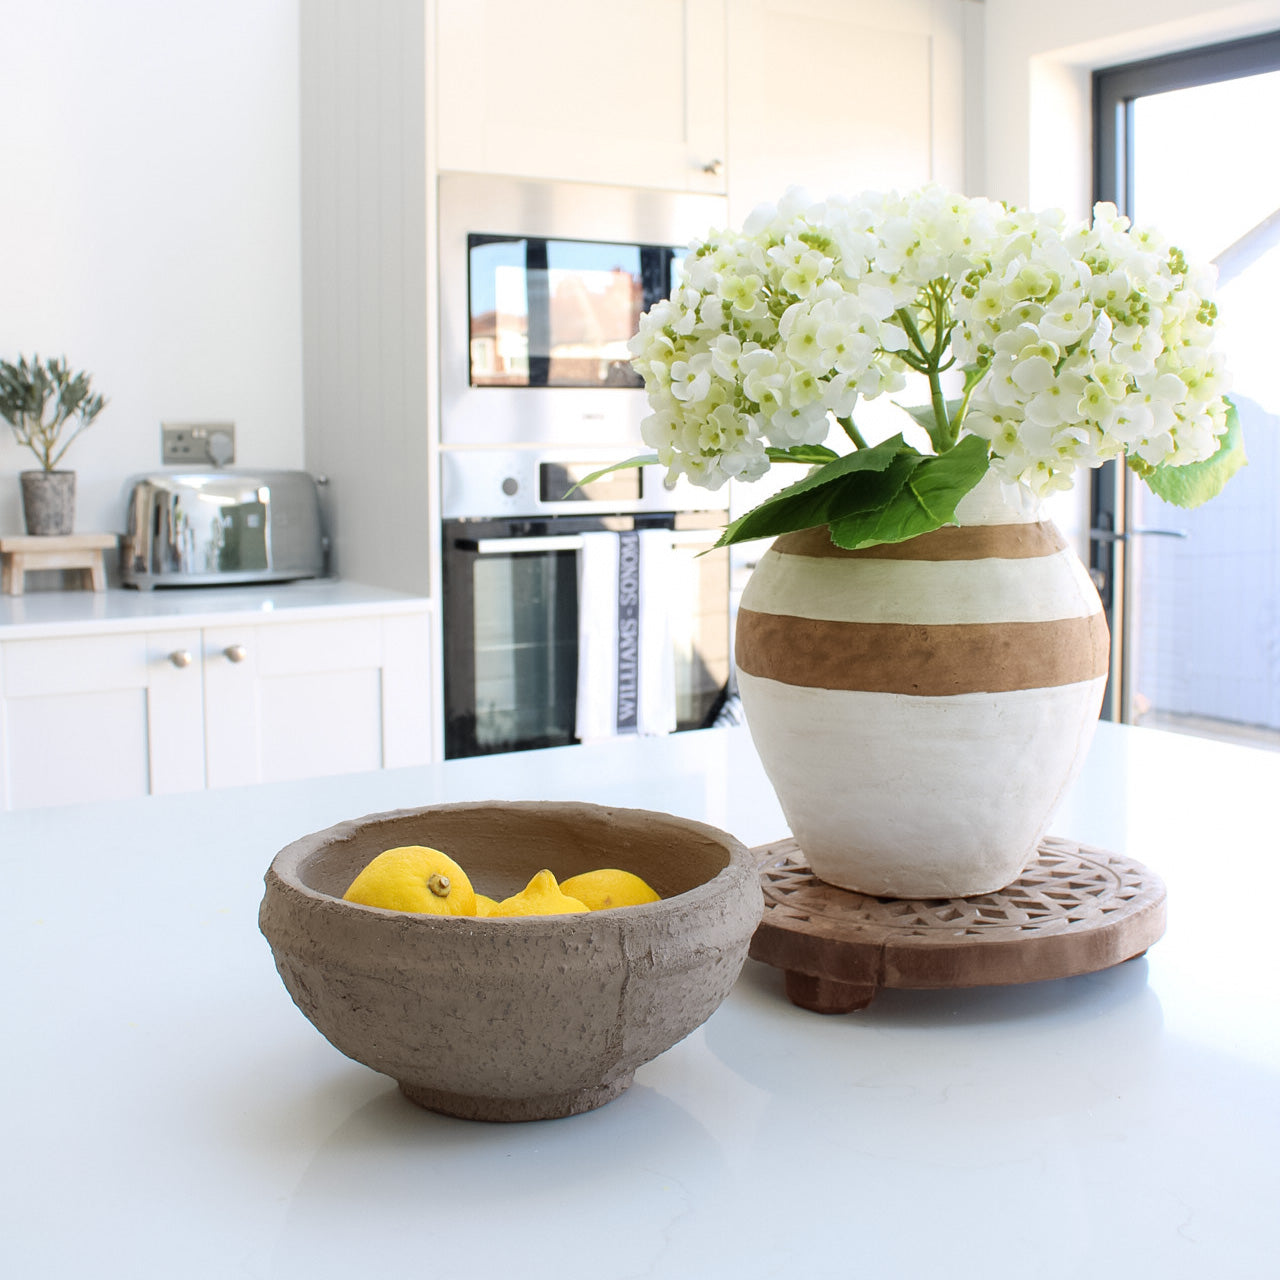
[591, 306]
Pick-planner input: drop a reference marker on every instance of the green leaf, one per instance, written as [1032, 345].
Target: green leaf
[1197, 482]
[924, 415]
[852, 482]
[926, 502]
[876, 458]
[941, 482]
[813, 454]
[641, 460]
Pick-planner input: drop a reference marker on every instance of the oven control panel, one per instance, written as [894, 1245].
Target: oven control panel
[541, 481]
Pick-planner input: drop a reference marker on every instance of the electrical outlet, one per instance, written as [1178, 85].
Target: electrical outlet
[201, 443]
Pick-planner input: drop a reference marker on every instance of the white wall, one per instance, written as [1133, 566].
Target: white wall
[1039, 55]
[149, 226]
[367, 224]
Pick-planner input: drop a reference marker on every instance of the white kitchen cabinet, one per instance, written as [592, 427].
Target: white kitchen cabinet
[743, 96]
[629, 92]
[98, 715]
[843, 96]
[302, 700]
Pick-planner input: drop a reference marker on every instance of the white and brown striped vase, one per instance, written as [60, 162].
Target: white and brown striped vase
[921, 707]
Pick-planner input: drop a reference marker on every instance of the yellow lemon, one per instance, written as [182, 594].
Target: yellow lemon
[484, 905]
[414, 878]
[600, 890]
[540, 897]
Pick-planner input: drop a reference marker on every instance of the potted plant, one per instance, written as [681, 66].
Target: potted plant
[47, 406]
[921, 656]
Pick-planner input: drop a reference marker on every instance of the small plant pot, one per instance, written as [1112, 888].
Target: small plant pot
[49, 502]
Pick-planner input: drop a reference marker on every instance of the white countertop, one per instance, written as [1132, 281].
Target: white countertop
[170, 1114]
[40, 614]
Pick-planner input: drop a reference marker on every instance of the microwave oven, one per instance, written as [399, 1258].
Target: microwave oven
[541, 286]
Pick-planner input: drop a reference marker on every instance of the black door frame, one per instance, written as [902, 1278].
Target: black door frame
[1114, 91]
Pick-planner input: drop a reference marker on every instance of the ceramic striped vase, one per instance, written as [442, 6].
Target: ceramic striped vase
[920, 708]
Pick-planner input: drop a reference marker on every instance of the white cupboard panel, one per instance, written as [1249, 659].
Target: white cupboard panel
[175, 711]
[232, 723]
[878, 86]
[288, 700]
[406, 691]
[319, 724]
[296, 648]
[705, 64]
[614, 91]
[73, 664]
[69, 748]
[293, 648]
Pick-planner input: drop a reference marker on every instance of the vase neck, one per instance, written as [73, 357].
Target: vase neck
[996, 501]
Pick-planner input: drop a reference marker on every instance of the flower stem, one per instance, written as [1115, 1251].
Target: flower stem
[852, 432]
[942, 436]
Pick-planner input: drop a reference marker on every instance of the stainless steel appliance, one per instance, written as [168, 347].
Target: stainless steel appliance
[513, 600]
[541, 286]
[193, 528]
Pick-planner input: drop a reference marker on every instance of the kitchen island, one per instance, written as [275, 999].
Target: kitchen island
[170, 1114]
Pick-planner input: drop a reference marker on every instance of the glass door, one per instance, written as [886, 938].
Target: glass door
[1194, 596]
[512, 601]
[559, 313]
[510, 638]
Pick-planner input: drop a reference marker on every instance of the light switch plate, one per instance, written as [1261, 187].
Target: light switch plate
[199, 443]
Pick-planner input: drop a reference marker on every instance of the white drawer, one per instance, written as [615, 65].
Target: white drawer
[74, 664]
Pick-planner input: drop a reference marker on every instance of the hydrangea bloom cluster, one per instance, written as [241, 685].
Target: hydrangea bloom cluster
[1078, 342]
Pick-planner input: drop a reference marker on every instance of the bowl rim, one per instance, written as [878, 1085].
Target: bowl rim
[741, 865]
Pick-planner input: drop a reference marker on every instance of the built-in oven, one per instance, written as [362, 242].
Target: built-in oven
[569, 609]
[545, 611]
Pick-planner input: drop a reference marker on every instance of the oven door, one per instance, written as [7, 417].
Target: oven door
[511, 614]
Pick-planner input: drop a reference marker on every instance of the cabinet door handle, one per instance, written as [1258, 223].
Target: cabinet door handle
[236, 652]
[180, 658]
[712, 166]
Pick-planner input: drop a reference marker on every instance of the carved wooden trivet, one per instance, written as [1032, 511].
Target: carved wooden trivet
[1074, 910]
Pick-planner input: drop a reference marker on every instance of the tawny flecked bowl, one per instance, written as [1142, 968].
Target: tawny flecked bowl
[513, 1019]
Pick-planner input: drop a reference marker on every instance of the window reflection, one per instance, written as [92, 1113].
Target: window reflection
[559, 313]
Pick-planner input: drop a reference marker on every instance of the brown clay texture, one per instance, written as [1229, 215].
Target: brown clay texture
[523, 1018]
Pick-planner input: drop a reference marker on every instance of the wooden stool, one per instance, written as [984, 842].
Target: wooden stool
[81, 551]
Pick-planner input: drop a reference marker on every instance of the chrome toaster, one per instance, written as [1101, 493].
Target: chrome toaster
[191, 528]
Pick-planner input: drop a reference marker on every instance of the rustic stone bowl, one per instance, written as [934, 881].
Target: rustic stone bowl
[513, 1019]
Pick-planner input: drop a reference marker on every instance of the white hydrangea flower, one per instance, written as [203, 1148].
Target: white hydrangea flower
[1083, 341]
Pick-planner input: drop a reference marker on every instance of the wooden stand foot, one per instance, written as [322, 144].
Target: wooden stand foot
[824, 995]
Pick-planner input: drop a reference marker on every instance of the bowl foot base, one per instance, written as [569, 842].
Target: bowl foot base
[546, 1106]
